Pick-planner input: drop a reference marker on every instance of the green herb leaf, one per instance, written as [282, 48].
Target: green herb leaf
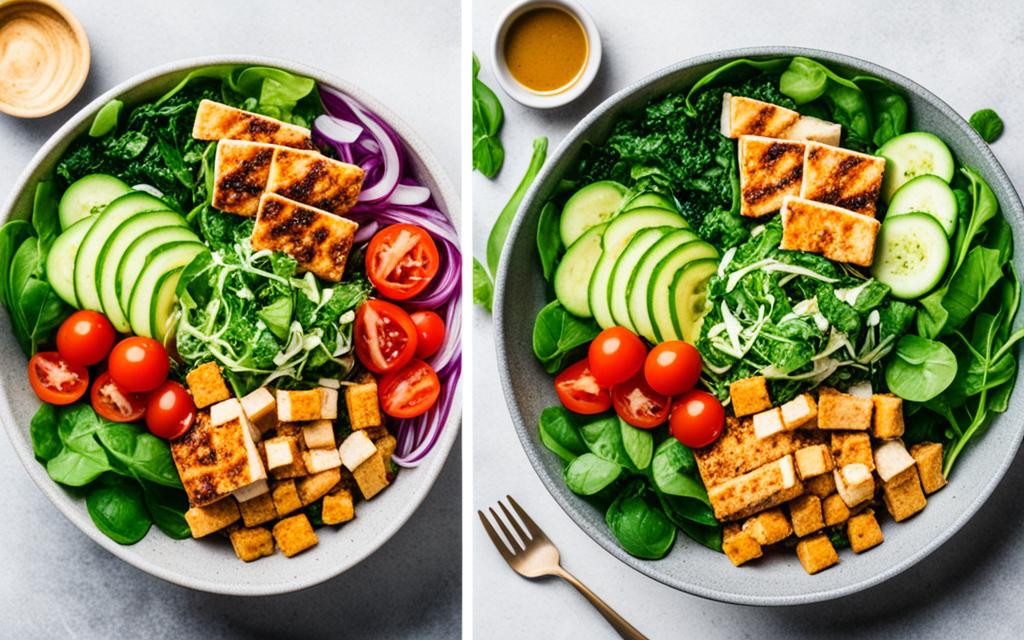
[46, 443]
[106, 118]
[560, 433]
[988, 124]
[637, 521]
[638, 443]
[117, 508]
[483, 289]
[488, 115]
[588, 474]
[558, 333]
[921, 369]
[496, 239]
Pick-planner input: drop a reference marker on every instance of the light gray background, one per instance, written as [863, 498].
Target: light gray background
[968, 54]
[54, 582]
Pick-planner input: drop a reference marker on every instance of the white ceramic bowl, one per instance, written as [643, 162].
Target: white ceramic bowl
[210, 564]
[521, 94]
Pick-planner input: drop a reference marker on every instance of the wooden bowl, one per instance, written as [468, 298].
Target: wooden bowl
[44, 57]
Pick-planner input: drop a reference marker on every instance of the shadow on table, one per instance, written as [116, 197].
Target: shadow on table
[929, 588]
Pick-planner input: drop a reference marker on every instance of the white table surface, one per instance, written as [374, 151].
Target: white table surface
[967, 53]
[54, 582]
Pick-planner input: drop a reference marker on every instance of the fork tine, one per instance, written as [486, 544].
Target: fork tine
[495, 538]
[513, 542]
[515, 523]
[531, 526]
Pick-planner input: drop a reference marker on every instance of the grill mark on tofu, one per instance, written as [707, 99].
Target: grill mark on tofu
[769, 170]
[315, 180]
[319, 241]
[739, 451]
[754, 117]
[212, 461]
[242, 172]
[216, 121]
[837, 234]
[843, 178]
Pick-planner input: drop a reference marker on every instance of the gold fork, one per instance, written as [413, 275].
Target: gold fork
[534, 556]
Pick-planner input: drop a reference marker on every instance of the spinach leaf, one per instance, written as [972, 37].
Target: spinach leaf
[806, 80]
[674, 472]
[558, 333]
[167, 507]
[117, 508]
[549, 241]
[496, 239]
[12, 236]
[888, 107]
[588, 474]
[920, 369]
[637, 521]
[74, 469]
[45, 220]
[141, 454]
[483, 288]
[36, 311]
[839, 314]
[488, 115]
[560, 433]
[604, 439]
[988, 124]
[106, 119]
[732, 72]
[978, 274]
[638, 443]
[46, 443]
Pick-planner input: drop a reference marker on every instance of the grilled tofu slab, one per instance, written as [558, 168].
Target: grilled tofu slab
[739, 450]
[241, 170]
[318, 240]
[314, 179]
[748, 117]
[763, 488]
[215, 461]
[845, 178]
[216, 121]
[836, 233]
[770, 170]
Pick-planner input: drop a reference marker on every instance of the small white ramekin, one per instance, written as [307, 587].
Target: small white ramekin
[521, 94]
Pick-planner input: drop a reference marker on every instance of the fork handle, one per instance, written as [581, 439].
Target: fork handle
[619, 623]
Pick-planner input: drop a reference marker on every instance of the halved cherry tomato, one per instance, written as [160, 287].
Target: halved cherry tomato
[429, 333]
[170, 411]
[672, 367]
[616, 354]
[55, 380]
[401, 261]
[385, 336]
[697, 418]
[638, 404]
[409, 391]
[139, 364]
[580, 391]
[114, 402]
[85, 337]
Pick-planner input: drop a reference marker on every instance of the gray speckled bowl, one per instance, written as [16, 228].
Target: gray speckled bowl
[210, 564]
[778, 579]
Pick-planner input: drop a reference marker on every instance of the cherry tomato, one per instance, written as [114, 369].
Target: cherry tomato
[638, 404]
[85, 337]
[409, 391]
[401, 261]
[385, 336]
[697, 418]
[55, 380]
[579, 390]
[672, 367]
[139, 364]
[170, 411]
[114, 402]
[616, 354]
[429, 333]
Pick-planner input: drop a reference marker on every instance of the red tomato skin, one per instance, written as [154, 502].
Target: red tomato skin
[100, 406]
[406, 333]
[85, 338]
[576, 387]
[615, 355]
[424, 250]
[655, 414]
[673, 367]
[139, 364]
[429, 333]
[38, 378]
[697, 419]
[170, 411]
[419, 373]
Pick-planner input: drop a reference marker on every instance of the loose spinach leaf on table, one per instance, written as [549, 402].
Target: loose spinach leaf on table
[589, 474]
[557, 334]
[988, 124]
[488, 115]
[483, 288]
[496, 239]
[117, 507]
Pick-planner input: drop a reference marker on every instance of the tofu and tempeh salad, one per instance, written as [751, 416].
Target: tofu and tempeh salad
[241, 311]
[778, 316]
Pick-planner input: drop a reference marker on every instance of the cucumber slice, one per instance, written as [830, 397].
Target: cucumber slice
[152, 298]
[636, 290]
[625, 267]
[60, 262]
[926, 194]
[689, 296]
[574, 271]
[660, 303]
[617, 235]
[137, 256]
[107, 221]
[163, 308]
[88, 195]
[911, 255]
[914, 154]
[114, 249]
[650, 199]
[589, 207]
